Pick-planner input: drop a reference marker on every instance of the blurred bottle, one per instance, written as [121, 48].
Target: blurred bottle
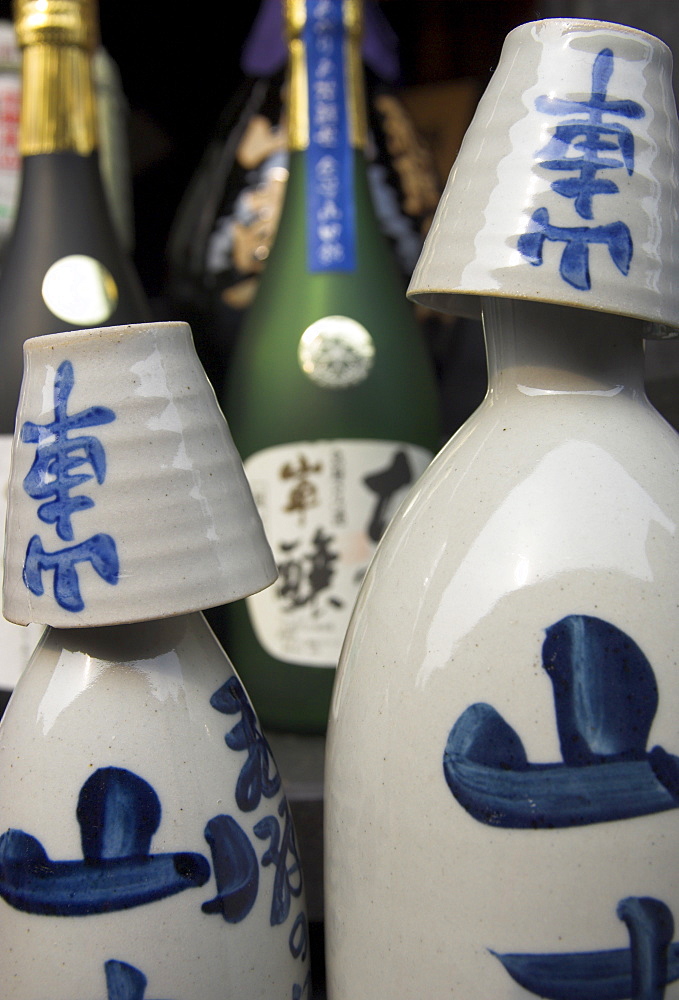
[114, 154]
[330, 393]
[227, 221]
[10, 102]
[64, 266]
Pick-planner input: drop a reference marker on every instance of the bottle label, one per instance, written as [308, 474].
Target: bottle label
[10, 104]
[336, 352]
[80, 290]
[16, 641]
[324, 506]
[329, 174]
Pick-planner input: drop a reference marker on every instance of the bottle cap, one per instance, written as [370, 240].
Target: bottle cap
[127, 499]
[566, 188]
[57, 22]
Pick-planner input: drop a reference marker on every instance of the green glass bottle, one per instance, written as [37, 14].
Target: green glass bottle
[330, 394]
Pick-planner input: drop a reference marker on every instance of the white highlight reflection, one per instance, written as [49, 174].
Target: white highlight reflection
[529, 390]
[598, 518]
[76, 671]
[152, 376]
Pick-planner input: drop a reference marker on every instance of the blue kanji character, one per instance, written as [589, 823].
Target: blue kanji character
[100, 551]
[283, 854]
[574, 265]
[259, 776]
[52, 475]
[303, 991]
[596, 139]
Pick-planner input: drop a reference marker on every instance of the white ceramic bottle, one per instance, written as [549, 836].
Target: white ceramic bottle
[146, 835]
[146, 845]
[501, 785]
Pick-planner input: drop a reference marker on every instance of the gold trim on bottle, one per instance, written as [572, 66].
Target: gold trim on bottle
[356, 105]
[298, 95]
[58, 107]
[298, 87]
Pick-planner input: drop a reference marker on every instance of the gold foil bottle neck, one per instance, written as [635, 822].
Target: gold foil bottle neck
[58, 39]
[353, 19]
[295, 15]
[57, 22]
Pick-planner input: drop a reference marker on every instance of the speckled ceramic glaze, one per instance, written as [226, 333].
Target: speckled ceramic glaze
[565, 187]
[146, 844]
[502, 782]
[127, 498]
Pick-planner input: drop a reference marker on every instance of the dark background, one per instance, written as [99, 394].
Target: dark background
[179, 64]
[179, 71]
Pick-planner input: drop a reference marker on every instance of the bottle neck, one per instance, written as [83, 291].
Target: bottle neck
[326, 109]
[58, 108]
[326, 91]
[537, 349]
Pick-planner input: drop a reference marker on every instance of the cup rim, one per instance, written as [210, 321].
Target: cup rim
[571, 24]
[92, 334]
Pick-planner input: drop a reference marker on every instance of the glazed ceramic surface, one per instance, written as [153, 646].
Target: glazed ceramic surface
[565, 187]
[502, 783]
[127, 498]
[147, 848]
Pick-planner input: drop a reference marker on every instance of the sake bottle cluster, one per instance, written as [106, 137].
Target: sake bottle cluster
[147, 847]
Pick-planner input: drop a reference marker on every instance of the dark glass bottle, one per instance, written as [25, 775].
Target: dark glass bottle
[225, 225]
[330, 394]
[63, 267]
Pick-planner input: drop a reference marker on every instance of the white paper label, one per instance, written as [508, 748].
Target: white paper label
[324, 506]
[80, 290]
[17, 642]
[336, 352]
[10, 101]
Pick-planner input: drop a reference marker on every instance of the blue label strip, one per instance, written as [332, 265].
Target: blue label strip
[331, 230]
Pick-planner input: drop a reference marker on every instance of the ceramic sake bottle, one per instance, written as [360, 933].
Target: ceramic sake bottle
[503, 756]
[65, 264]
[146, 845]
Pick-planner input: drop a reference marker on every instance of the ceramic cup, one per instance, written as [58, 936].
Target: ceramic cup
[565, 187]
[127, 498]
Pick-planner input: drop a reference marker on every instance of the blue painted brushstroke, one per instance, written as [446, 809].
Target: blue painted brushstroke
[302, 991]
[283, 854]
[123, 981]
[258, 776]
[118, 813]
[605, 693]
[236, 869]
[583, 147]
[651, 926]
[485, 766]
[299, 937]
[640, 972]
[605, 699]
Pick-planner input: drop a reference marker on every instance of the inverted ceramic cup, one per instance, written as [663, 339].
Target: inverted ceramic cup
[565, 188]
[127, 498]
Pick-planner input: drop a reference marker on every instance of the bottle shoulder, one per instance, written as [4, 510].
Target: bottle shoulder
[62, 205]
[333, 353]
[63, 267]
[374, 258]
[565, 447]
